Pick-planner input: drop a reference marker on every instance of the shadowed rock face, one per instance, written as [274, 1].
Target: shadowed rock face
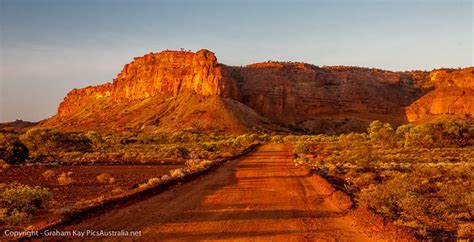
[176, 90]
[305, 95]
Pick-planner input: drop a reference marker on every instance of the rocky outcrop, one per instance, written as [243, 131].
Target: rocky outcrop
[176, 90]
[77, 98]
[452, 93]
[168, 73]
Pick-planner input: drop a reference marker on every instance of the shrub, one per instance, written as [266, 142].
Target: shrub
[45, 142]
[105, 178]
[205, 163]
[63, 211]
[153, 181]
[393, 197]
[17, 218]
[183, 152]
[3, 214]
[301, 148]
[196, 164]
[17, 202]
[460, 131]
[177, 173]
[165, 178]
[95, 138]
[48, 174]
[381, 133]
[117, 190]
[24, 198]
[193, 164]
[65, 178]
[12, 151]
[150, 183]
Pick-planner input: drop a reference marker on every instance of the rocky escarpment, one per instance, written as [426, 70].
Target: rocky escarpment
[314, 98]
[168, 73]
[451, 93]
[181, 90]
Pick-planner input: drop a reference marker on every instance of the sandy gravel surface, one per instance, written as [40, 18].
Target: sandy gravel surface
[259, 197]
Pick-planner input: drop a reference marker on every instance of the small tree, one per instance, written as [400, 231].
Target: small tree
[460, 132]
[16, 153]
[381, 133]
[12, 150]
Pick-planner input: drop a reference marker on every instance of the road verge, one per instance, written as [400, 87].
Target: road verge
[372, 224]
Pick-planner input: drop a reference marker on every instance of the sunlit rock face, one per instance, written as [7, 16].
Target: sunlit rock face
[451, 93]
[169, 73]
[166, 73]
[176, 90]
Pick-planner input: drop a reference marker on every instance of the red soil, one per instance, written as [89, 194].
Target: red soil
[85, 186]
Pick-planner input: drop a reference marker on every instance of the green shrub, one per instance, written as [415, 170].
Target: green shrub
[18, 202]
[183, 152]
[24, 198]
[46, 142]
[12, 150]
[16, 218]
[381, 133]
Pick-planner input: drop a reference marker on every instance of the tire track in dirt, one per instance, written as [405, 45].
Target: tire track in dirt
[259, 197]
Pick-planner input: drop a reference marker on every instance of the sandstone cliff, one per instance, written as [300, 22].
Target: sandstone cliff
[178, 90]
[452, 93]
[168, 73]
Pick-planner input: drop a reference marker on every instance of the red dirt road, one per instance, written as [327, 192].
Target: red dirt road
[259, 197]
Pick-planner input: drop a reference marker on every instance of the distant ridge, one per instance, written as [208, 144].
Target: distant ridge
[17, 124]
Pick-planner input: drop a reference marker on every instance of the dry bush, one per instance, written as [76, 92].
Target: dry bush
[165, 178]
[117, 190]
[177, 173]
[193, 164]
[197, 164]
[65, 178]
[105, 178]
[63, 211]
[150, 183]
[48, 174]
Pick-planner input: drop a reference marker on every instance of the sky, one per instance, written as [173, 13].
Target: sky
[48, 47]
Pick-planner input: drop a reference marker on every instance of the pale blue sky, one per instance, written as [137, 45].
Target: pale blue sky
[48, 47]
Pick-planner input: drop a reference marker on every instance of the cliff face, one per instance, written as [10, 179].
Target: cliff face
[452, 94]
[168, 73]
[175, 90]
[304, 95]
